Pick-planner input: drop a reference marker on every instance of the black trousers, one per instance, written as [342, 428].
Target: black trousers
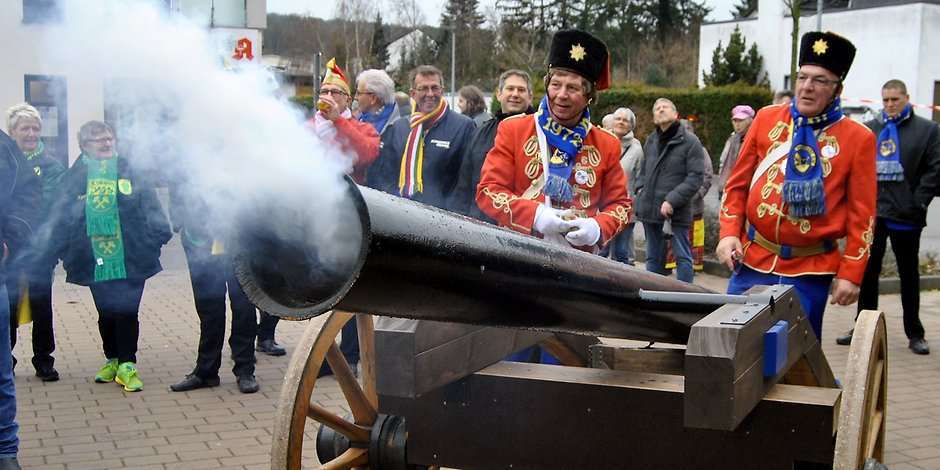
[211, 277]
[906, 246]
[40, 305]
[118, 303]
[348, 344]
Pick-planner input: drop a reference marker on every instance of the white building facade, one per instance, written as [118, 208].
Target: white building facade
[69, 97]
[893, 41]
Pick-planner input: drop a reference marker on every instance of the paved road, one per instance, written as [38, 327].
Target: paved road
[78, 424]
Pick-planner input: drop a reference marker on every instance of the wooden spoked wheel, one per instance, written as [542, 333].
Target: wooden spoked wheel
[296, 409]
[862, 416]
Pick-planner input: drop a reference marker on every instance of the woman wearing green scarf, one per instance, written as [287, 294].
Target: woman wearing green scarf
[28, 282]
[109, 230]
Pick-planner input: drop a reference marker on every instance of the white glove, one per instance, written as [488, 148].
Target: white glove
[548, 220]
[586, 232]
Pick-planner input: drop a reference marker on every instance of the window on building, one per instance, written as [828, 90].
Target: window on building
[48, 94]
[42, 11]
[228, 13]
[215, 13]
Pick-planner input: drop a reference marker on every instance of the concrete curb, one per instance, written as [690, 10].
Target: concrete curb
[887, 285]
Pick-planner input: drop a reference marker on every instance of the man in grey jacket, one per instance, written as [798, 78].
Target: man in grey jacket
[670, 176]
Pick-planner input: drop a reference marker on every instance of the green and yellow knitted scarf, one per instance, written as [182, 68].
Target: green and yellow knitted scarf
[102, 222]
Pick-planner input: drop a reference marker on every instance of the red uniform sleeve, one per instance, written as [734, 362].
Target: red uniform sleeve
[363, 139]
[862, 199]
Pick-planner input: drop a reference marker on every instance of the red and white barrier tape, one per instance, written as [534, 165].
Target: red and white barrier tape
[877, 102]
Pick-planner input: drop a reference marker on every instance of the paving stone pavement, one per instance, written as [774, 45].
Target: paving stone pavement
[76, 423]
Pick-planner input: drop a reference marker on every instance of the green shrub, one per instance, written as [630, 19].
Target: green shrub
[308, 102]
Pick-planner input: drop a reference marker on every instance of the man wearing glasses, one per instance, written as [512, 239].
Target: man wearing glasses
[334, 123]
[804, 179]
[375, 95]
[420, 157]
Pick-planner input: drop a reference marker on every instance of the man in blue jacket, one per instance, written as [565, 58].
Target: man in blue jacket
[419, 158]
[515, 97]
[20, 199]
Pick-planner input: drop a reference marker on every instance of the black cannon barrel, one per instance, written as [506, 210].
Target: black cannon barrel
[411, 260]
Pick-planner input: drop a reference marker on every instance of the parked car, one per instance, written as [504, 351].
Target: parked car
[860, 112]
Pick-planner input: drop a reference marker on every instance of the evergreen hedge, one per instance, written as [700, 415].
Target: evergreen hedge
[710, 107]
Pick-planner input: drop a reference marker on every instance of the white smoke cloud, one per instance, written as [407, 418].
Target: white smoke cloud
[221, 133]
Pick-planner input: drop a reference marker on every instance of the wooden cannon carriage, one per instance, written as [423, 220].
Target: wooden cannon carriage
[751, 387]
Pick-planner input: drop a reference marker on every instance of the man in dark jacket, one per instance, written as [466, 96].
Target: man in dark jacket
[515, 97]
[20, 199]
[671, 175]
[908, 178]
[212, 277]
[419, 157]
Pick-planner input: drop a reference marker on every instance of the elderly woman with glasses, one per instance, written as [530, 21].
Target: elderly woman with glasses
[108, 231]
[30, 285]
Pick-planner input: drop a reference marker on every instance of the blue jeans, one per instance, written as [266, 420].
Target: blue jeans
[9, 443]
[812, 290]
[622, 245]
[656, 250]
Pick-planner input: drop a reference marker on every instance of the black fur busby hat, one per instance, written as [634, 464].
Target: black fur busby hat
[829, 51]
[582, 53]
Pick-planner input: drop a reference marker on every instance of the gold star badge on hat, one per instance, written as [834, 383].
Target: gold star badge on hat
[578, 52]
[820, 46]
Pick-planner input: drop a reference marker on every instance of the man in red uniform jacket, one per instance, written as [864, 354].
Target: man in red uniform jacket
[805, 178]
[552, 173]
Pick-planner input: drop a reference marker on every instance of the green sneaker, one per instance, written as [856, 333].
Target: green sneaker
[127, 376]
[107, 371]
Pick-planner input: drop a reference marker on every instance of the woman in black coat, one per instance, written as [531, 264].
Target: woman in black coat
[108, 232]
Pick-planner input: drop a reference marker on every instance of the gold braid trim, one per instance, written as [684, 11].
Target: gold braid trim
[533, 168]
[621, 214]
[584, 196]
[769, 188]
[531, 147]
[764, 209]
[867, 236]
[593, 155]
[501, 202]
[777, 130]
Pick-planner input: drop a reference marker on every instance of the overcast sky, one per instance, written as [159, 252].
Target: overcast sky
[432, 8]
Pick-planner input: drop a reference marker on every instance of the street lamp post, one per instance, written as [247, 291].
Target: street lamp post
[453, 65]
